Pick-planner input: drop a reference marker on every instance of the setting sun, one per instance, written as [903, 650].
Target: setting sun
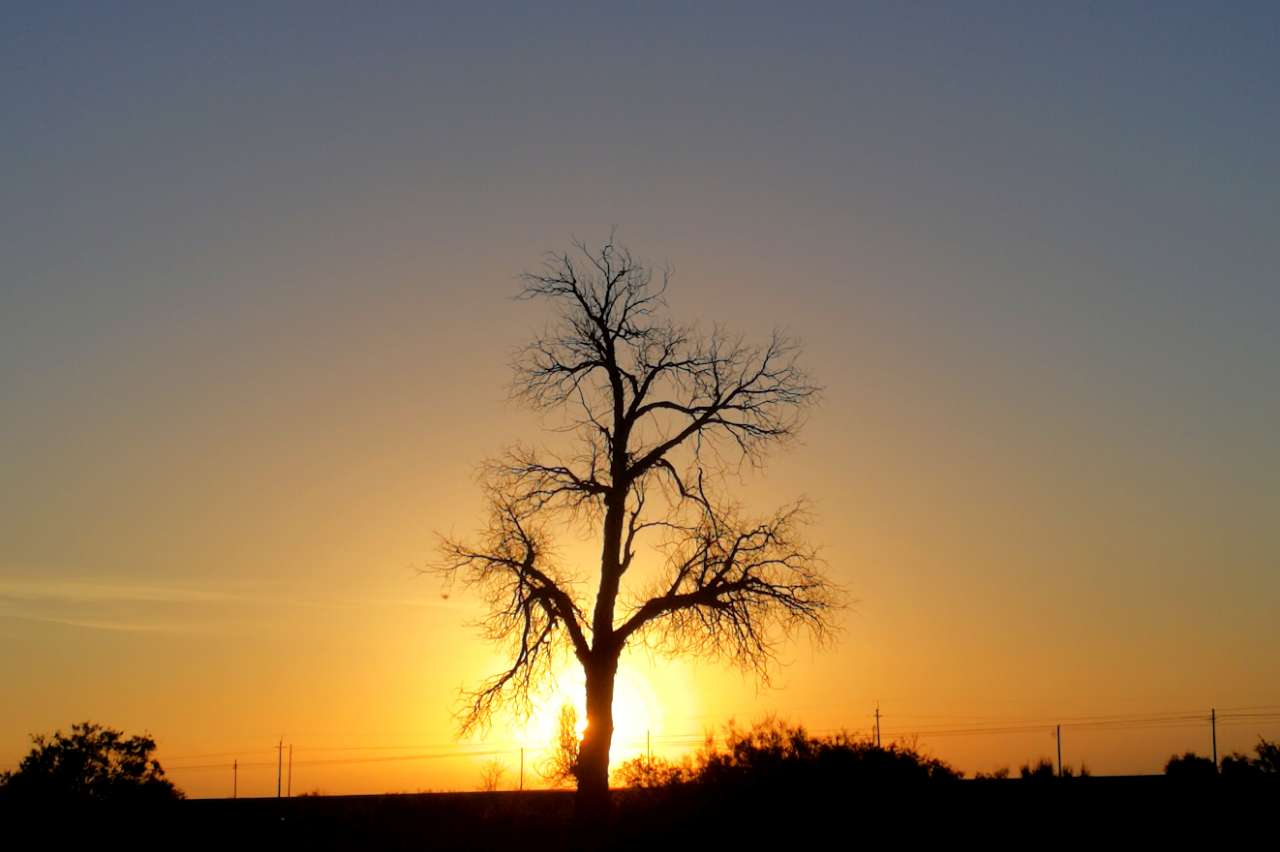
[642, 704]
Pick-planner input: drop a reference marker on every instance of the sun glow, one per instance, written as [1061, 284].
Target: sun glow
[638, 713]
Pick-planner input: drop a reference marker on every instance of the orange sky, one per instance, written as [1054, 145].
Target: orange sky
[257, 313]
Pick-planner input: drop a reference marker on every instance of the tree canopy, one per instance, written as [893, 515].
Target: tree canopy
[92, 763]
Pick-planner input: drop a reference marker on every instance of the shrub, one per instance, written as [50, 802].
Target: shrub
[1190, 767]
[92, 763]
[774, 753]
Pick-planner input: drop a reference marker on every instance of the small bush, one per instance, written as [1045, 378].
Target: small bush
[1190, 767]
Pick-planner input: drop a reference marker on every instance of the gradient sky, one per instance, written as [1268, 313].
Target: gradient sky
[255, 318]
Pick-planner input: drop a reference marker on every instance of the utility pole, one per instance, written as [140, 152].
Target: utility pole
[1213, 723]
[279, 764]
[291, 770]
[521, 769]
[1058, 735]
[235, 778]
[877, 724]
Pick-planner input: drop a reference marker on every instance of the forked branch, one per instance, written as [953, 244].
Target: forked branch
[736, 589]
[528, 607]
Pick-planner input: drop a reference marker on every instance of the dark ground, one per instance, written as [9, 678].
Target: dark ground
[1140, 811]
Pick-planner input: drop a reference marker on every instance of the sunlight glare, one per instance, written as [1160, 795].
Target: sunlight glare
[637, 713]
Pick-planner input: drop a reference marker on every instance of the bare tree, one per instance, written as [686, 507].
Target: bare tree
[654, 414]
[561, 765]
[491, 775]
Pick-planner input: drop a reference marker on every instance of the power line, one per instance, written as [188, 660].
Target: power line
[1253, 715]
[1275, 707]
[337, 761]
[235, 753]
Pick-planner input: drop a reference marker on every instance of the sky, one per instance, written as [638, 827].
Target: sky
[256, 319]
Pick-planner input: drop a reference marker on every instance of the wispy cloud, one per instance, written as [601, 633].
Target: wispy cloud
[116, 606]
[130, 606]
[96, 624]
[80, 591]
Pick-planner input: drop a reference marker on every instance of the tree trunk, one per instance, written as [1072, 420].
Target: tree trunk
[592, 804]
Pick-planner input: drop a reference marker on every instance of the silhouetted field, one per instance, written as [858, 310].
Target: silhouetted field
[1100, 810]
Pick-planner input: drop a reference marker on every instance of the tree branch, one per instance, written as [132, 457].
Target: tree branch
[527, 607]
[736, 590]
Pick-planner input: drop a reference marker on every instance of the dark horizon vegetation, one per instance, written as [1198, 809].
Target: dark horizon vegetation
[98, 764]
[769, 784]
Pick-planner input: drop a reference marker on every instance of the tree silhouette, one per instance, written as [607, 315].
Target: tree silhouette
[561, 766]
[656, 414]
[92, 763]
[1266, 764]
[1268, 759]
[491, 775]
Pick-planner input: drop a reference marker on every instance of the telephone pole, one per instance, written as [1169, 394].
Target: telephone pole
[521, 769]
[235, 778]
[279, 764]
[291, 770]
[1213, 723]
[1058, 735]
[877, 724]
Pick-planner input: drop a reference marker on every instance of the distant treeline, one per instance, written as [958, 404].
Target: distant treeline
[775, 752]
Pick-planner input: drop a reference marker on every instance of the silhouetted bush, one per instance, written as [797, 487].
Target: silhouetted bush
[1268, 760]
[731, 791]
[561, 766]
[1000, 774]
[1266, 763]
[649, 773]
[1237, 765]
[1041, 770]
[775, 754]
[92, 764]
[1190, 767]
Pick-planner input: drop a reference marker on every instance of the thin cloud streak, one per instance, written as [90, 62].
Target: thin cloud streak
[95, 605]
[77, 591]
[94, 624]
